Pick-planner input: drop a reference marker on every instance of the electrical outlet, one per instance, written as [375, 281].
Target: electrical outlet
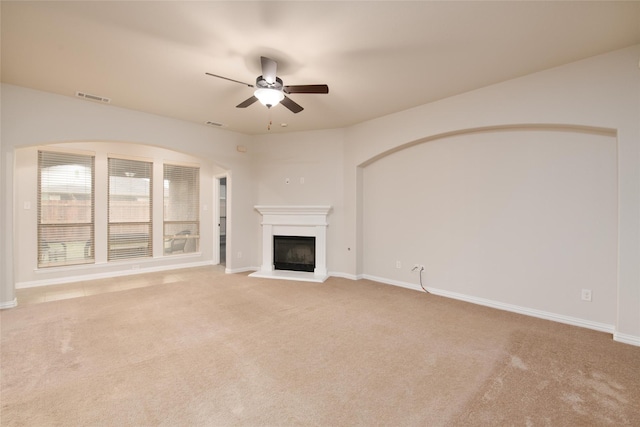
[417, 267]
[398, 264]
[586, 295]
[239, 254]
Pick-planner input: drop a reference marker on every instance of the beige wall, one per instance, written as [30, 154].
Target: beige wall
[341, 166]
[526, 217]
[602, 92]
[312, 164]
[26, 163]
[32, 118]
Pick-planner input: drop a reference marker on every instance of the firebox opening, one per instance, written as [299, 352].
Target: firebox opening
[294, 253]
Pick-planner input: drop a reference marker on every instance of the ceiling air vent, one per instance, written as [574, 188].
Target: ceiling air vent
[210, 123]
[93, 97]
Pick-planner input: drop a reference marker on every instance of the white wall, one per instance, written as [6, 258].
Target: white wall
[601, 92]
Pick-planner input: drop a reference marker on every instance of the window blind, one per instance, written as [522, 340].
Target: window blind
[65, 209]
[129, 209]
[181, 209]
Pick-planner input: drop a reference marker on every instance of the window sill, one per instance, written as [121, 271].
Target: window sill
[139, 262]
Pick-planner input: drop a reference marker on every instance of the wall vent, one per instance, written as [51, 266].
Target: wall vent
[93, 97]
[210, 123]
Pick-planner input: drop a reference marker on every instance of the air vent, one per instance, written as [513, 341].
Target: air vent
[93, 97]
[210, 123]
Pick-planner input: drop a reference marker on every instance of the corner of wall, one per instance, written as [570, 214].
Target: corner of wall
[626, 339]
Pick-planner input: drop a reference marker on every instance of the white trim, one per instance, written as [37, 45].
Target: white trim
[9, 304]
[626, 338]
[344, 275]
[301, 276]
[295, 210]
[392, 282]
[574, 321]
[108, 274]
[240, 270]
[64, 150]
[120, 262]
[179, 163]
[128, 157]
[217, 221]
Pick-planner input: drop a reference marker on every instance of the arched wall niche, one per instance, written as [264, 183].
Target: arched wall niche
[497, 128]
[519, 216]
[26, 273]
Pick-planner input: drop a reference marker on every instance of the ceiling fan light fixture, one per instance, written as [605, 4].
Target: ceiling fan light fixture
[270, 89]
[269, 97]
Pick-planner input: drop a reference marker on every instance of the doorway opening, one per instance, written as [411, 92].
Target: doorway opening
[222, 225]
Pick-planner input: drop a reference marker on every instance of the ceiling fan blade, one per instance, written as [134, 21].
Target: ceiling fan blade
[247, 102]
[291, 105]
[227, 78]
[269, 68]
[306, 89]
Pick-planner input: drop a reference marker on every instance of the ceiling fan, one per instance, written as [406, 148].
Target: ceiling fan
[270, 90]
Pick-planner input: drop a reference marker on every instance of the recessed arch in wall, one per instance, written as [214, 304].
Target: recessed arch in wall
[521, 215]
[25, 179]
[497, 128]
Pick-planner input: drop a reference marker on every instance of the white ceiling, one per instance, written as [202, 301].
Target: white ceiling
[377, 57]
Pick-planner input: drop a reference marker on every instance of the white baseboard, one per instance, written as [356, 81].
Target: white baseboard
[240, 270]
[107, 274]
[602, 327]
[9, 304]
[344, 275]
[392, 282]
[626, 338]
[575, 321]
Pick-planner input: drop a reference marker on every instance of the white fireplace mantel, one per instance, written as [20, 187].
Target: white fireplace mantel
[294, 221]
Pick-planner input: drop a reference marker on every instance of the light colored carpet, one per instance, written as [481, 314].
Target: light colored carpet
[209, 349]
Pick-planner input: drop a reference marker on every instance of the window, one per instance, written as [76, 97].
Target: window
[65, 209]
[181, 209]
[130, 207]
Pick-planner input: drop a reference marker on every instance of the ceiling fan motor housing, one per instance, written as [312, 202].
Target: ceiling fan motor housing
[261, 83]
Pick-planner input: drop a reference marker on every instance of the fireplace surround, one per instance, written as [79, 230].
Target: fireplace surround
[294, 221]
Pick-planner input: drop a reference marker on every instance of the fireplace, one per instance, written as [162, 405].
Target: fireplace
[302, 232]
[295, 253]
